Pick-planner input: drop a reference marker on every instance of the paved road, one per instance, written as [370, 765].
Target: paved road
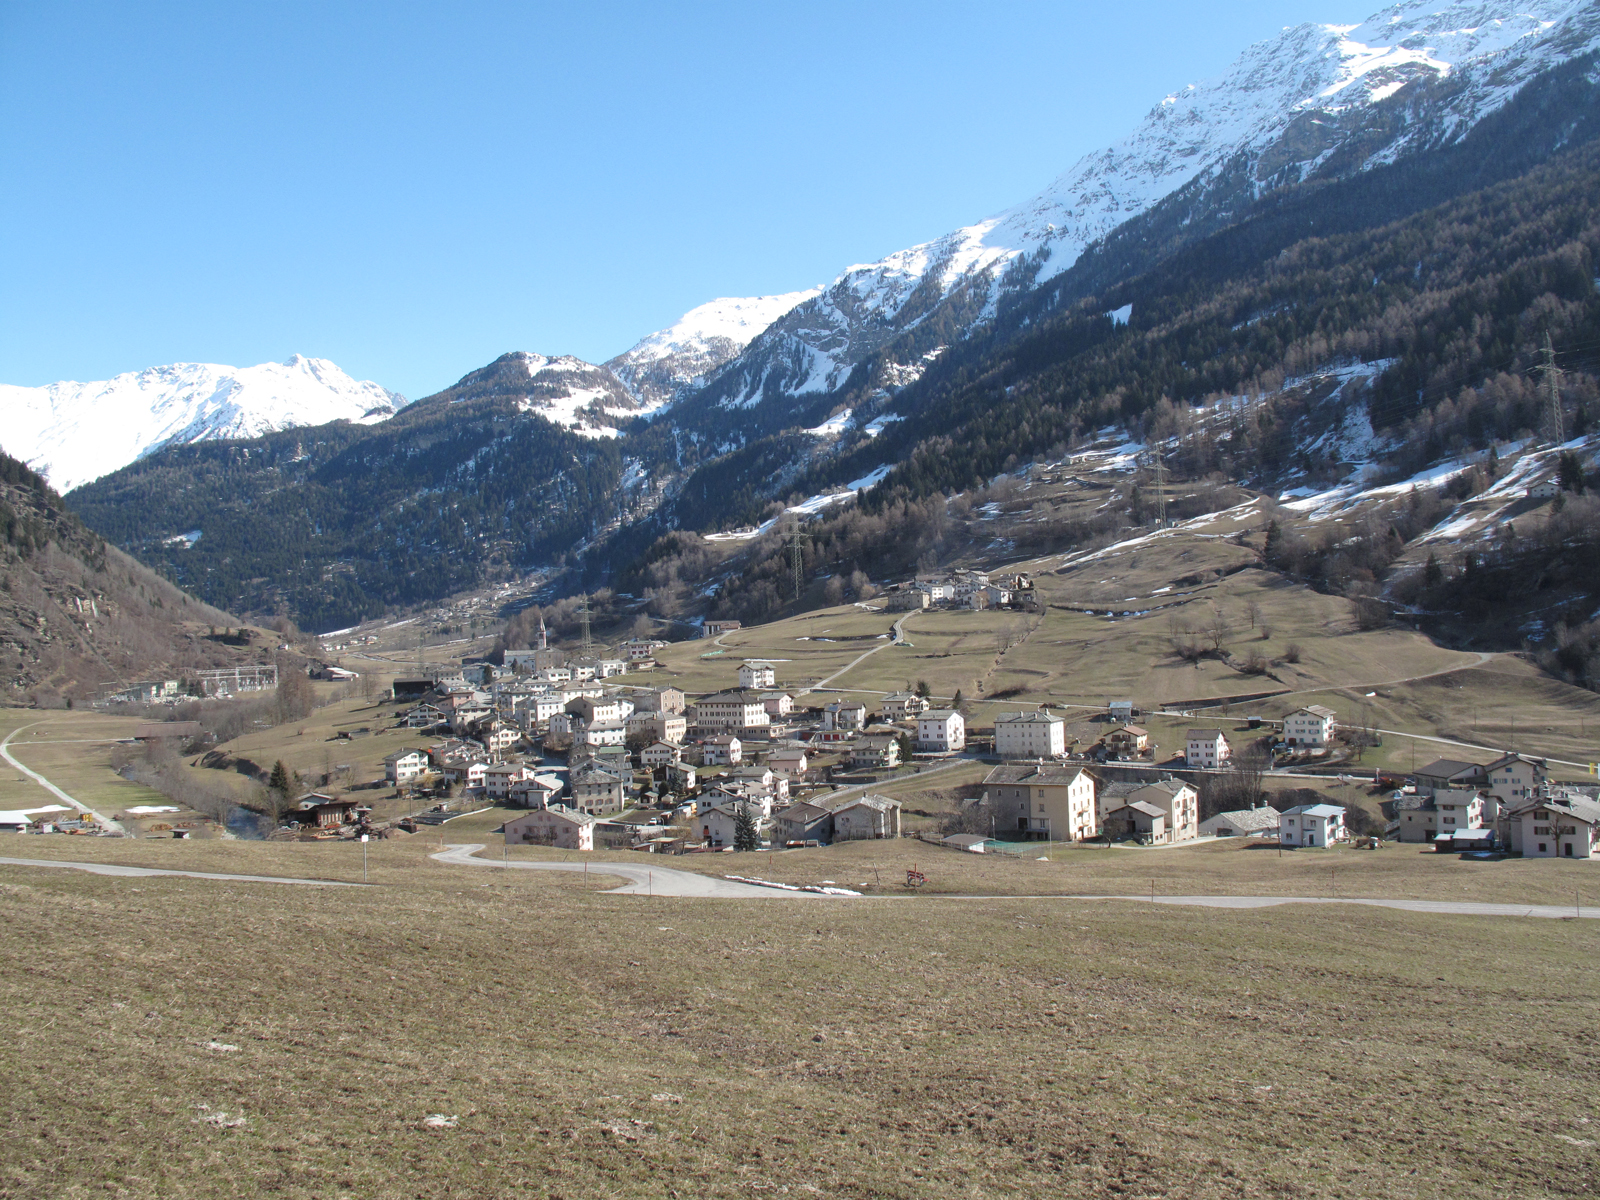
[899, 637]
[1464, 908]
[651, 880]
[114, 869]
[669, 882]
[5, 753]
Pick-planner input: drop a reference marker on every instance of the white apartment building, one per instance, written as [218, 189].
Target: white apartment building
[757, 675]
[404, 766]
[1312, 726]
[1029, 735]
[941, 731]
[1206, 748]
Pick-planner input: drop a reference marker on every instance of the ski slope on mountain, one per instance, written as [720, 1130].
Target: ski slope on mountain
[76, 432]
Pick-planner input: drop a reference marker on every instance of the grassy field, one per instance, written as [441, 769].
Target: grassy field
[73, 751]
[585, 1045]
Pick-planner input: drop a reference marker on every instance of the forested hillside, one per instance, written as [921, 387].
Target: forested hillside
[340, 522]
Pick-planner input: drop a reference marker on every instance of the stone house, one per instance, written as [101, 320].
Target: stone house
[1243, 822]
[598, 790]
[1137, 819]
[803, 822]
[865, 818]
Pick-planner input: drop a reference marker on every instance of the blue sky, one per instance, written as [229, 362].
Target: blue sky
[413, 189]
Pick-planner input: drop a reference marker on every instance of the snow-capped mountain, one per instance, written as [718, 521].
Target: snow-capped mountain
[75, 432]
[663, 365]
[564, 390]
[1317, 100]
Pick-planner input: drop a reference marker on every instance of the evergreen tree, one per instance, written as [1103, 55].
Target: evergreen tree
[281, 782]
[1433, 573]
[1273, 546]
[923, 690]
[1569, 472]
[745, 834]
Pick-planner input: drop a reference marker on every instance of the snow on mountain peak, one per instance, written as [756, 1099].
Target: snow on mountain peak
[1284, 107]
[660, 366]
[76, 432]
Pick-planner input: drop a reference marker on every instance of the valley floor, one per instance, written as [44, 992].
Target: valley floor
[452, 1031]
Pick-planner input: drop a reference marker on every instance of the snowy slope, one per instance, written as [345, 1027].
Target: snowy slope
[564, 390]
[1284, 109]
[76, 432]
[662, 365]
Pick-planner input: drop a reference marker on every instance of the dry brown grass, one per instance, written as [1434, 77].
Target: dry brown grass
[595, 1045]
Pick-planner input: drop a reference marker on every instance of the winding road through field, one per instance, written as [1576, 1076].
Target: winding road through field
[666, 881]
[142, 872]
[641, 881]
[5, 752]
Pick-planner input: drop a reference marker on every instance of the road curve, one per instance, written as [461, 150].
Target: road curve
[5, 752]
[641, 881]
[114, 869]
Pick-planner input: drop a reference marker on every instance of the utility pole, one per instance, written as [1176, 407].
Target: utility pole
[1554, 421]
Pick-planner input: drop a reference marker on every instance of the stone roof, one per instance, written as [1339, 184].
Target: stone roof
[1038, 776]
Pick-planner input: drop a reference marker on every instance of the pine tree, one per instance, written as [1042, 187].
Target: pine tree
[745, 834]
[1433, 573]
[1274, 542]
[1569, 473]
[281, 781]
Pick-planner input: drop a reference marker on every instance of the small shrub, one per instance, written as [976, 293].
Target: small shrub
[1291, 652]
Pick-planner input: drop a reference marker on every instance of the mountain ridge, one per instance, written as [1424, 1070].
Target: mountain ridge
[73, 433]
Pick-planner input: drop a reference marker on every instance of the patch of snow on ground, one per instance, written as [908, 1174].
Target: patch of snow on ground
[153, 808]
[1119, 316]
[833, 426]
[876, 426]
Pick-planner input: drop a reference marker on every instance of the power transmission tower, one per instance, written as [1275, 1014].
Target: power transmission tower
[1161, 492]
[797, 560]
[1552, 383]
[583, 617]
